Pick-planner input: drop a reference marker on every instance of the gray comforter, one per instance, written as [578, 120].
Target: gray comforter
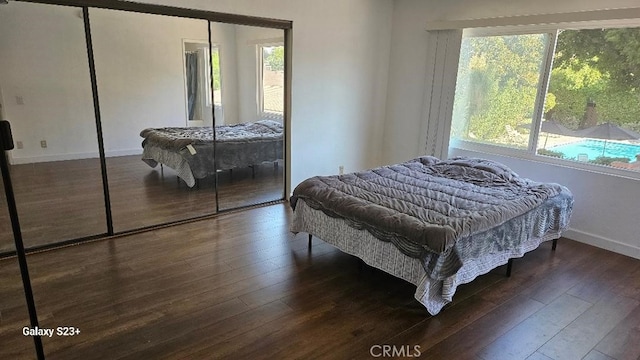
[425, 205]
[237, 145]
[176, 138]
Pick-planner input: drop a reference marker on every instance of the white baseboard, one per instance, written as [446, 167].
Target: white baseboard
[74, 156]
[603, 243]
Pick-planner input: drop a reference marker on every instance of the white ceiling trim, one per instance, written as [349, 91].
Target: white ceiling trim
[627, 17]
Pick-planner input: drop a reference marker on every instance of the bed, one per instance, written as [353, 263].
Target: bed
[434, 223]
[190, 151]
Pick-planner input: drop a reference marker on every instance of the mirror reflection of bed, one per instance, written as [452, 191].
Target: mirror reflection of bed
[182, 182]
[142, 73]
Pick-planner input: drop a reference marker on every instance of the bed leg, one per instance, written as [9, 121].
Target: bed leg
[310, 237]
[509, 266]
[162, 171]
[253, 171]
[554, 244]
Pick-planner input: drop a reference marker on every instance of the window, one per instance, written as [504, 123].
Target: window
[570, 94]
[271, 81]
[498, 78]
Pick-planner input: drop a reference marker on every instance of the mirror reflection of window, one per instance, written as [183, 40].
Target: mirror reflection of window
[217, 81]
[271, 81]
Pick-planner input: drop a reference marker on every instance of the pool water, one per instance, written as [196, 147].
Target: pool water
[593, 148]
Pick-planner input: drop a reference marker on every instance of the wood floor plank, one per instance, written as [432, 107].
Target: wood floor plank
[556, 283]
[525, 338]
[206, 335]
[538, 356]
[607, 276]
[544, 275]
[176, 321]
[576, 340]
[470, 340]
[623, 342]
[596, 355]
[630, 286]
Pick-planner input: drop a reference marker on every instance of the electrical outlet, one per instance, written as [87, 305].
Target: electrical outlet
[19, 100]
[341, 170]
[43, 144]
[19, 145]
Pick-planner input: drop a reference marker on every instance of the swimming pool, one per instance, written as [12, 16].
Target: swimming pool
[593, 148]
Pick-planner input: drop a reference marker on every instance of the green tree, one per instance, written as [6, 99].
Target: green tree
[215, 64]
[275, 59]
[613, 51]
[601, 65]
[497, 86]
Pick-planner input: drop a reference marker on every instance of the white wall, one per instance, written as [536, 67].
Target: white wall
[140, 73]
[605, 213]
[340, 65]
[44, 64]
[224, 35]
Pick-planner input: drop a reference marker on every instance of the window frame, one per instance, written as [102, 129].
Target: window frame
[543, 84]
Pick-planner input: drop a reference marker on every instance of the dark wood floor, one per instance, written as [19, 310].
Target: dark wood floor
[64, 200]
[241, 286]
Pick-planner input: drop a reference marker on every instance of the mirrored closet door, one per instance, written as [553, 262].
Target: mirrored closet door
[250, 122]
[46, 95]
[185, 117]
[153, 76]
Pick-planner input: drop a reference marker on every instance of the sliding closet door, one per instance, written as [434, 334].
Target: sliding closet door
[47, 98]
[250, 116]
[151, 73]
